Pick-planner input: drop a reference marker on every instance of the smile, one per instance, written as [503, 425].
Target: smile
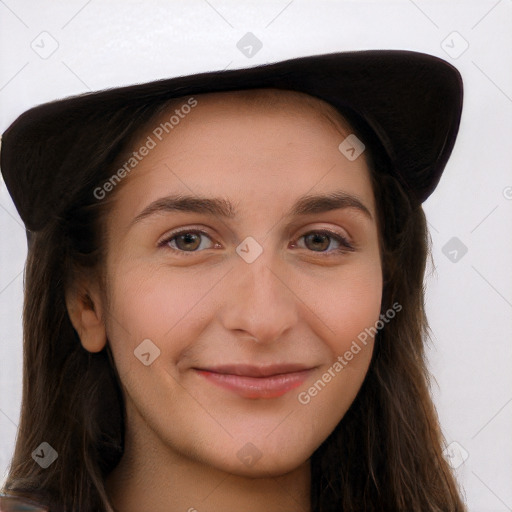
[257, 382]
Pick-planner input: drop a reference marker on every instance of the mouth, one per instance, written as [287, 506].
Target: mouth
[257, 381]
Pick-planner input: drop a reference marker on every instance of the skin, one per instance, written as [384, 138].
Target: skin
[299, 302]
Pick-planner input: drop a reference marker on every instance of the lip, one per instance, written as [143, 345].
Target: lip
[257, 381]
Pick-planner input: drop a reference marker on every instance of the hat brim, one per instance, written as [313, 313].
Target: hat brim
[411, 101]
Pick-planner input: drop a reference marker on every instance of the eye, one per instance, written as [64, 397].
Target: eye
[319, 240]
[189, 241]
[184, 241]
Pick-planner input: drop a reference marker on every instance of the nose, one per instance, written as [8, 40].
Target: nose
[259, 300]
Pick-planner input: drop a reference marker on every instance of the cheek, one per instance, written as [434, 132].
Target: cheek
[154, 303]
[350, 308]
[350, 303]
[358, 303]
[158, 303]
[173, 307]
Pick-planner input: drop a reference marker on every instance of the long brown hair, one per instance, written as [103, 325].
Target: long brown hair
[384, 455]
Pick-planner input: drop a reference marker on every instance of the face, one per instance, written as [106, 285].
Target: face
[232, 321]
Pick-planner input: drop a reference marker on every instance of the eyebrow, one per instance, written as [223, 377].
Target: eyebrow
[220, 207]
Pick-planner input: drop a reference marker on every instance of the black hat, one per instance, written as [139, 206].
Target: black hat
[409, 102]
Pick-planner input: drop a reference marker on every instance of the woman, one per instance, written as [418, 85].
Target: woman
[224, 289]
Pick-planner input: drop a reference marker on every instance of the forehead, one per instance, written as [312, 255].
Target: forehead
[252, 146]
[263, 126]
[269, 101]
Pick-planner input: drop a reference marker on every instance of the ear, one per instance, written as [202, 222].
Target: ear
[85, 310]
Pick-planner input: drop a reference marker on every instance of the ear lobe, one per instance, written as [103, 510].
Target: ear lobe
[87, 319]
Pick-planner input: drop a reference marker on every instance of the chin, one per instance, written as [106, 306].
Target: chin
[260, 459]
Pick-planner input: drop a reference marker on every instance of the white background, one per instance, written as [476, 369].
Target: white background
[109, 43]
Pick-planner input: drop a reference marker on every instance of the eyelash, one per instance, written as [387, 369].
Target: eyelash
[345, 245]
